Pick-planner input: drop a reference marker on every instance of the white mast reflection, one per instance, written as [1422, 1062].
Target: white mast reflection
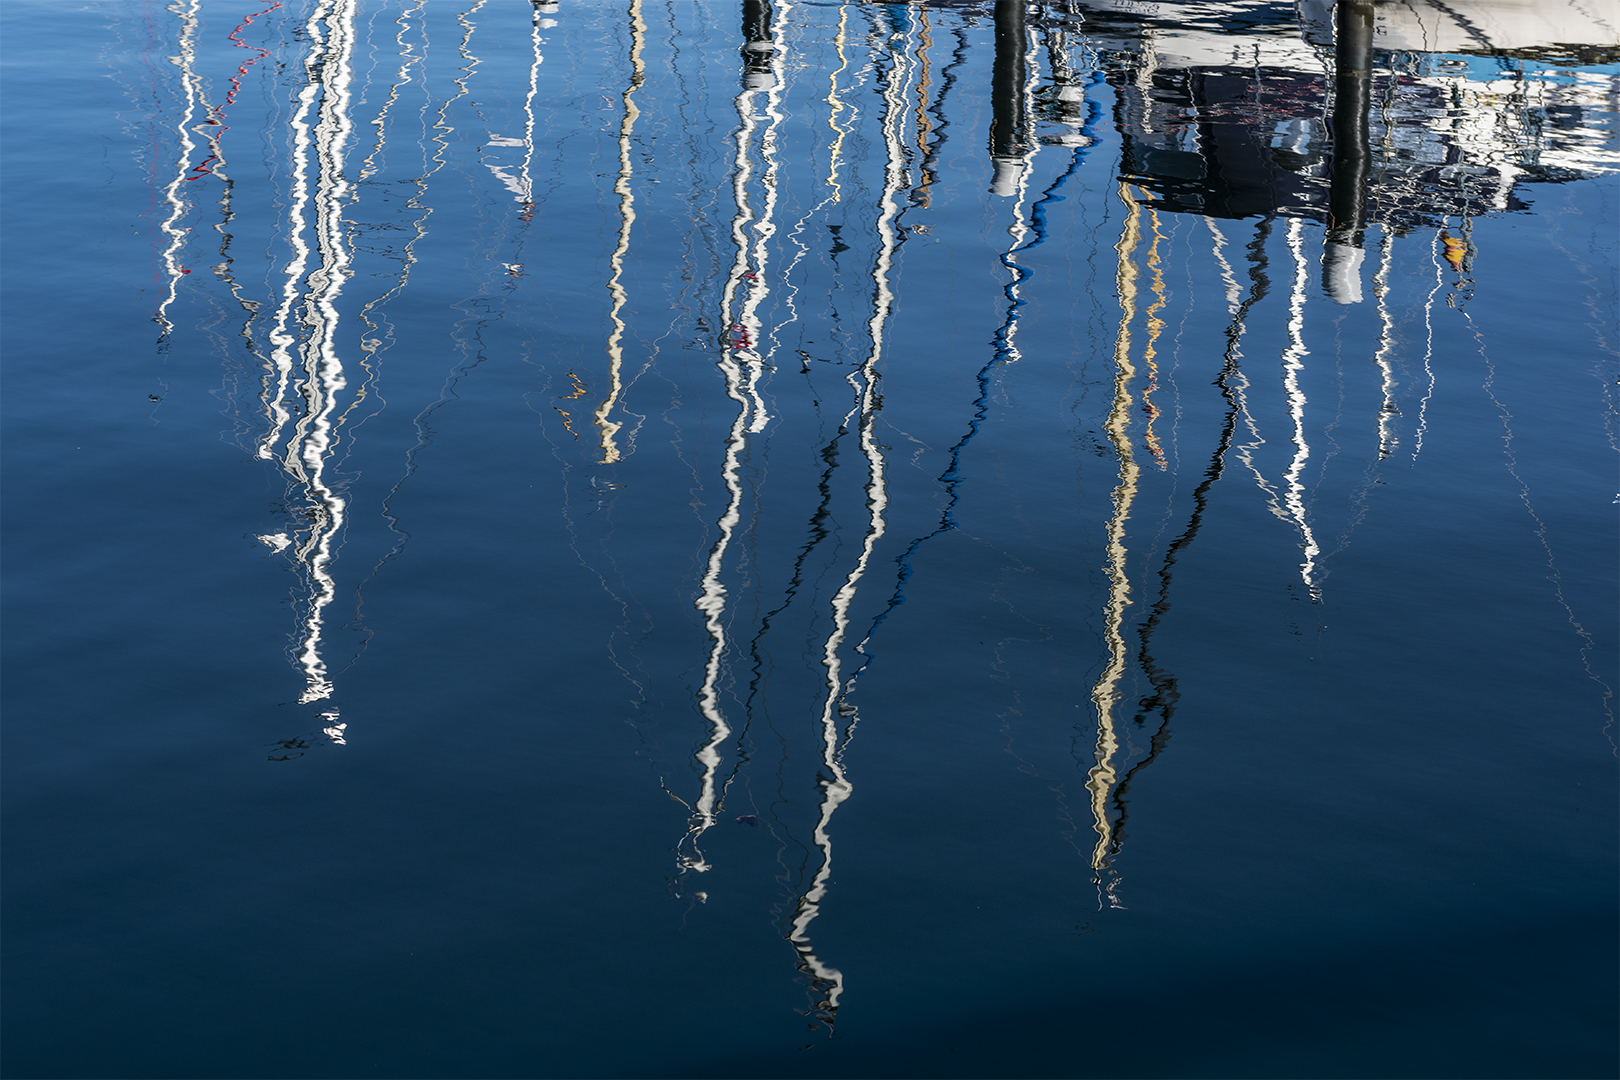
[369, 346]
[282, 342]
[1387, 440]
[1293, 358]
[835, 106]
[522, 185]
[836, 787]
[1428, 346]
[185, 61]
[741, 365]
[309, 449]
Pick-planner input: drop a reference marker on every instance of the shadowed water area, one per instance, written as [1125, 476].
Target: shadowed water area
[765, 538]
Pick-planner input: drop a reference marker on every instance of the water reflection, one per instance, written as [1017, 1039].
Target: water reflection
[1346, 150]
[307, 452]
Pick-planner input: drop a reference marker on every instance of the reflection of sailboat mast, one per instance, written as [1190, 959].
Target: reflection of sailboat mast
[1386, 344]
[741, 366]
[1105, 694]
[1004, 350]
[1428, 349]
[627, 217]
[827, 981]
[369, 346]
[185, 61]
[1293, 358]
[1165, 693]
[310, 447]
[282, 342]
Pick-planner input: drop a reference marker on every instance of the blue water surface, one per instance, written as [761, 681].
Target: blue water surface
[697, 538]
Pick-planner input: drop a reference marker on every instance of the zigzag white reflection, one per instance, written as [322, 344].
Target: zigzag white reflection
[1387, 440]
[1293, 358]
[836, 787]
[522, 185]
[329, 70]
[742, 366]
[185, 61]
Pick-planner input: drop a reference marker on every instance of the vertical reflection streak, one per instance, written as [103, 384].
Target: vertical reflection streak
[1428, 347]
[1105, 694]
[1166, 694]
[836, 787]
[369, 346]
[1387, 440]
[836, 105]
[765, 228]
[185, 61]
[741, 366]
[1150, 348]
[1510, 459]
[309, 449]
[608, 428]
[1293, 358]
[282, 342]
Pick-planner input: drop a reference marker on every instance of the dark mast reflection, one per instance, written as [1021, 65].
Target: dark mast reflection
[1352, 158]
[1010, 143]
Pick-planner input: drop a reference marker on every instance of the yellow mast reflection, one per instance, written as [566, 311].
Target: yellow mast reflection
[925, 42]
[1105, 694]
[607, 428]
[1150, 350]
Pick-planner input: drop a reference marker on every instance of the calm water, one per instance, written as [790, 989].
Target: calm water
[676, 538]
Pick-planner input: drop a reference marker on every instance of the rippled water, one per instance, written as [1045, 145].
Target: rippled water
[761, 538]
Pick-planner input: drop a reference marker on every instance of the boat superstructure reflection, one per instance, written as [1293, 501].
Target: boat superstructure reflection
[1347, 123]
